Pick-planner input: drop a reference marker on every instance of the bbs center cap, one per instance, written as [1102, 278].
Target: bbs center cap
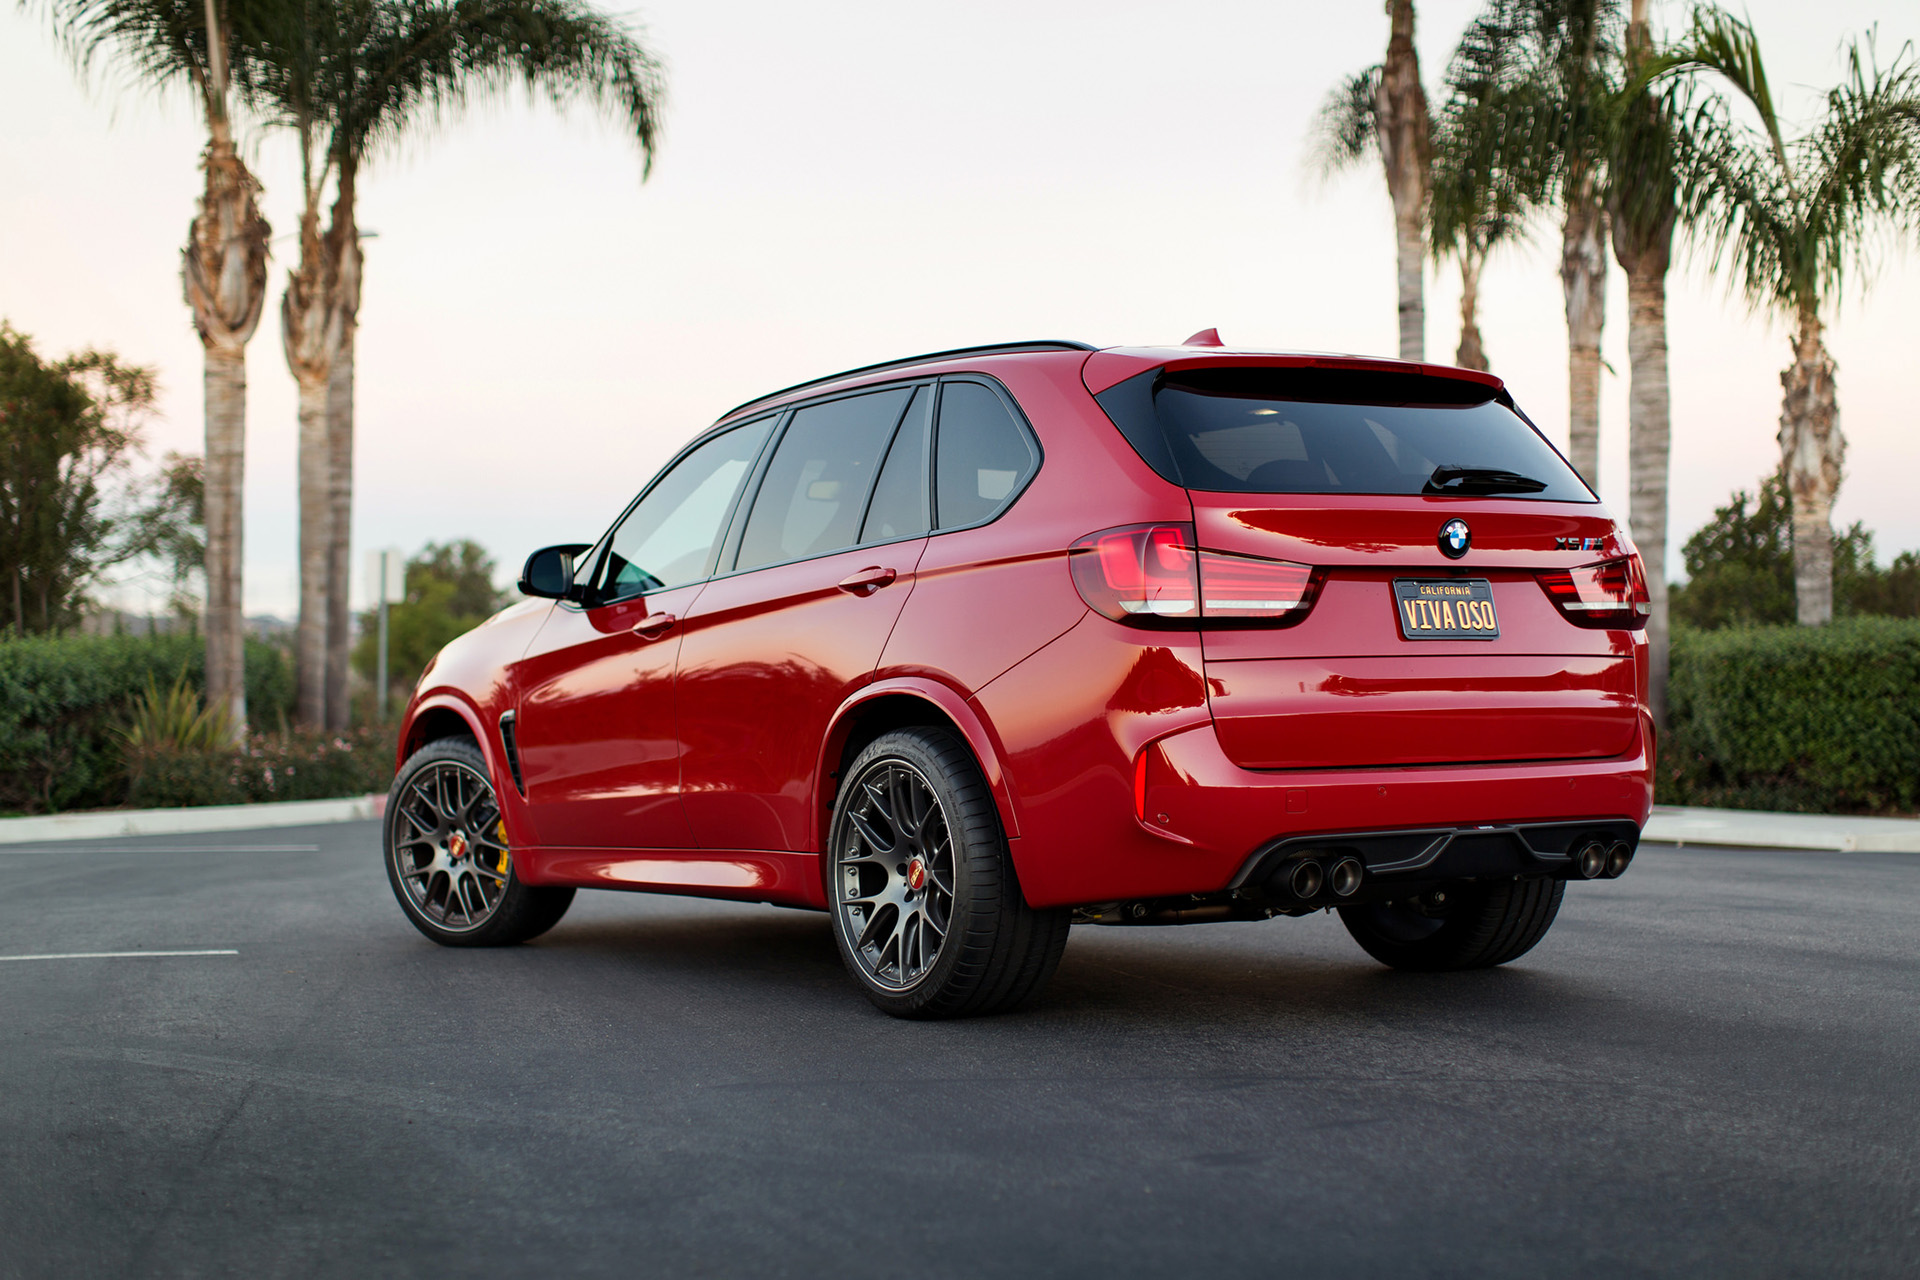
[1454, 539]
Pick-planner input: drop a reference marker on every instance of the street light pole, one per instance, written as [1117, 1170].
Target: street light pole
[380, 680]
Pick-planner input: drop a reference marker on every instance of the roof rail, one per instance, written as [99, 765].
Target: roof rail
[994, 348]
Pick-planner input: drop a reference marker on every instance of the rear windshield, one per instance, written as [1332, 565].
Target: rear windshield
[1261, 430]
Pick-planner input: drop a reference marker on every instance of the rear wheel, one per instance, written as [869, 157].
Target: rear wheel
[926, 909]
[1460, 926]
[447, 854]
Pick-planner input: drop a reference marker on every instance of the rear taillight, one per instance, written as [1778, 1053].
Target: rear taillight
[1153, 575]
[1608, 595]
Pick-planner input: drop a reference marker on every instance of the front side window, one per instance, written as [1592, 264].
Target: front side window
[981, 458]
[667, 539]
[816, 486]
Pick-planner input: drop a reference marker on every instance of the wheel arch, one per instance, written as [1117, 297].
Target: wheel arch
[893, 704]
[445, 716]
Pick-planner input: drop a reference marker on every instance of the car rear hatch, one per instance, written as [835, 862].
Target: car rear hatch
[1413, 643]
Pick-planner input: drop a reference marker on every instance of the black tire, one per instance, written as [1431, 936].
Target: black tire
[468, 899]
[994, 951]
[1477, 926]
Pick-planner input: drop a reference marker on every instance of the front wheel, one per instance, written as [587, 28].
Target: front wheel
[927, 912]
[1457, 926]
[447, 854]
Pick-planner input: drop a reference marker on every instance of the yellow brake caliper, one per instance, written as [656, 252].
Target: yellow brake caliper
[506, 858]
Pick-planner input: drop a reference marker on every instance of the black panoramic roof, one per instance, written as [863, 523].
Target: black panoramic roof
[992, 348]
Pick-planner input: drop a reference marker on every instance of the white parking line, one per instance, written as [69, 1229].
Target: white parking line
[116, 955]
[168, 848]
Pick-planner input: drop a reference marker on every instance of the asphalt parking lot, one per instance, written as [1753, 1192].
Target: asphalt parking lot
[1710, 1067]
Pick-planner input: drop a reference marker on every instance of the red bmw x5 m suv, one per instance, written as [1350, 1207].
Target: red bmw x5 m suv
[968, 648]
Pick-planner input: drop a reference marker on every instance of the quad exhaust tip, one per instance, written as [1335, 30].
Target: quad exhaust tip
[1617, 859]
[1346, 877]
[1306, 880]
[1590, 863]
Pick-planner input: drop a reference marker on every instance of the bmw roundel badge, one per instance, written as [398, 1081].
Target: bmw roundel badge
[1454, 539]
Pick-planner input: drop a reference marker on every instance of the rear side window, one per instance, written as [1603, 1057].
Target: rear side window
[816, 486]
[1336, 431]
[982, 456]
[899, 507]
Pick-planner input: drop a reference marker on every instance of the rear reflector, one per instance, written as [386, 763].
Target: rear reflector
[1602, 596]
[1153, 575]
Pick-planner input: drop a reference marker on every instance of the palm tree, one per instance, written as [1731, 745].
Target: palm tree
[1384, 109]
[1484, 172]
[354, 78]
[223, 268]
[1640, 139]
[1551, 77]
[1795, 219]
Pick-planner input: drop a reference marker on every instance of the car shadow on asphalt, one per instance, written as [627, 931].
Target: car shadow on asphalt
[1227, 975]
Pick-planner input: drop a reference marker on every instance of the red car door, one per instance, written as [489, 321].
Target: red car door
[595, 725]
[825, 561]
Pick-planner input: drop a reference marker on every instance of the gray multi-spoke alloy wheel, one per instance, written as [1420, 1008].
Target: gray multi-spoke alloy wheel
[926, 907]
[448, 858]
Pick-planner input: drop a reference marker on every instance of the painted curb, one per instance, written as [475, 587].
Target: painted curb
[1828, 833]
[1726, 828]
[108, 823]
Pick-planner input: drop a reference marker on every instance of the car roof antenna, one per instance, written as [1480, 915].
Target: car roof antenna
[1204, 338]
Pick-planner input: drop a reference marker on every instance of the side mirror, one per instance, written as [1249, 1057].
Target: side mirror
[549, 571]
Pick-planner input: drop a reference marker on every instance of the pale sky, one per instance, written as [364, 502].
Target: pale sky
[854, 181]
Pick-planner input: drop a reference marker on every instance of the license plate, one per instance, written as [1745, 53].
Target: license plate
[1445, 608]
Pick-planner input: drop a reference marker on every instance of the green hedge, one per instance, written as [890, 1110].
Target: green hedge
[62, 696]
[290, 766]
[1822, 719]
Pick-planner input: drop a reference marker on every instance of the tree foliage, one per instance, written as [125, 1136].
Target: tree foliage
[1796, 218]
[70, 505]
[449, 591]
[1740, 567]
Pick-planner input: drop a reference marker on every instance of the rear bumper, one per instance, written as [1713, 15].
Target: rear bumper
[1208, 825]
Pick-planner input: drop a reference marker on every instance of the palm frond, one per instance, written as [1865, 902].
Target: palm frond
[156, 43]
[1346, 130]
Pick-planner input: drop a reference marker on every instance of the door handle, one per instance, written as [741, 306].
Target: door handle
[654, 625]
[867, 581]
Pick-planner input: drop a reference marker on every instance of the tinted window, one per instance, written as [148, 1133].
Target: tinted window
[816, 486]
[981, 458]
[667, 539]
[1336, 431]
[899, 507]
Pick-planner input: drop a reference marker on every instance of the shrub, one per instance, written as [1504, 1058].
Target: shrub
[61, 697]
[1795, 718]
[289, 766]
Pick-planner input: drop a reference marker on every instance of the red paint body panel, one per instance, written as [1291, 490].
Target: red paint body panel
[754, 876]
[768, 657]
[599, 747]
[1321, 713]
[705, 762]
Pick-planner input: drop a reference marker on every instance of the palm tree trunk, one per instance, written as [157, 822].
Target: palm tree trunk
[343, 243]
[1812, 450]
[225, 477]
[310, 638]
[1583, 278]
[340, 524]
[310, 331]
[1472, 354]
[1649, 437]
[1404, 130]
[224, 275]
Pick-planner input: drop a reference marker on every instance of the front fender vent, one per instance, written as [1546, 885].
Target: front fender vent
[512, 746]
